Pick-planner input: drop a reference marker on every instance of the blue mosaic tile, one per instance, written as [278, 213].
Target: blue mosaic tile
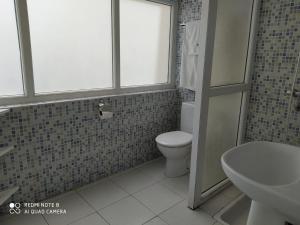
[277, 48]
[65, 145]
[62, 146]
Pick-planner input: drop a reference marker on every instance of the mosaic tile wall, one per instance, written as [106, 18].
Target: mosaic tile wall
[64, 145]
[278, 45]
[188, 10]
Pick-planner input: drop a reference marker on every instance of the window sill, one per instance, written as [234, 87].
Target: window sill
[15, 102]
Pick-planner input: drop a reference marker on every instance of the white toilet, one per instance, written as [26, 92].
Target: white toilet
[176, 145]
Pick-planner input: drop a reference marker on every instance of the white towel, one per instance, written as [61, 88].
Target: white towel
[190, 53]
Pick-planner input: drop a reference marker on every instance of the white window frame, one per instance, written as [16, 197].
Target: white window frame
[30, 97]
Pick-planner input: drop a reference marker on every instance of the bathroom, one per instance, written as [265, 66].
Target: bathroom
[80, 118]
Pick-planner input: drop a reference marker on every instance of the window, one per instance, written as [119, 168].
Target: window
[10, 65]
[84, 48]
[144, 40]
[71, 44]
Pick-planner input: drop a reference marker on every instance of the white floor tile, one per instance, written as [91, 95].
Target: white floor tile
[158, 198]
[127, 211]
[133, 181]
[93, 219]
[156, 221]
[215, 204]
[155, 169]
[102, 193]
[179, 184]
[23, 220]
[76, 208]
[232, 192]
[182, 215]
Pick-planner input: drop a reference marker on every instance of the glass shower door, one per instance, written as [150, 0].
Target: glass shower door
[221, 97]
[222, 134]
[229, 61]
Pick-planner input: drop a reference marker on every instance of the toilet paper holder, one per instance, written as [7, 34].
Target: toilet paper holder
[105, 111]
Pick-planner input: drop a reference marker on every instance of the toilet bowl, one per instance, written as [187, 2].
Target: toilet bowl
[176, 145]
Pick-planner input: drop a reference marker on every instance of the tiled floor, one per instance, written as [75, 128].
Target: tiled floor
[139, 196]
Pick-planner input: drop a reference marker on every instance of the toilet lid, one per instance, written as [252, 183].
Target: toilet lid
[174, 139]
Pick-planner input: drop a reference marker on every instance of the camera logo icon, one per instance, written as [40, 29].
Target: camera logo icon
[14, 208]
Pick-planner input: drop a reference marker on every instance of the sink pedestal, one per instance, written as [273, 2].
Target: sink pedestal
[262, 215]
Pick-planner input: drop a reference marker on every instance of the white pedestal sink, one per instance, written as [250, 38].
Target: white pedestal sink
[269, 173]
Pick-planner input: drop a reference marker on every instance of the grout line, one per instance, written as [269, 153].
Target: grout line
[132, 194]
[149, 220]
[163, 220]
[154, 218]
[173, 190]
[7, 217]
[80, 218]
[76, 193]
[172, 206]
[156, 214]
[45, 219]
[98, 213]
[98, 210]
[91, 184]
[110, 204]
[74, 220]
[129, 194]
[144, 206]
[149, 162]
[136, 167]
[154, 182]
[86, 201]
[115, 183]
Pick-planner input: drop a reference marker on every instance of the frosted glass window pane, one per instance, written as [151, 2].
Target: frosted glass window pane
[231, 41]
[222, 125]
[71, 44]
[144, 34]
[10, 64]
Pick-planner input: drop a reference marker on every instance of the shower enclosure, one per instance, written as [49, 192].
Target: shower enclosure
[222, 90]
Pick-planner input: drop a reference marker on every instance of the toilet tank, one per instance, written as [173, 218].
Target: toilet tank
[186, 120]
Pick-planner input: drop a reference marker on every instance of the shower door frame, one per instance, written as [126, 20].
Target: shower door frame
[204, 91]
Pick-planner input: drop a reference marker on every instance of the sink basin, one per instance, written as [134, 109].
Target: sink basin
[269, 173]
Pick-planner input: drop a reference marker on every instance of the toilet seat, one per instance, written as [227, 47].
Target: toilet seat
[174, 139]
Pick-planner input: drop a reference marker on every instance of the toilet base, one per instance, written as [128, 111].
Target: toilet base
[176, 167]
